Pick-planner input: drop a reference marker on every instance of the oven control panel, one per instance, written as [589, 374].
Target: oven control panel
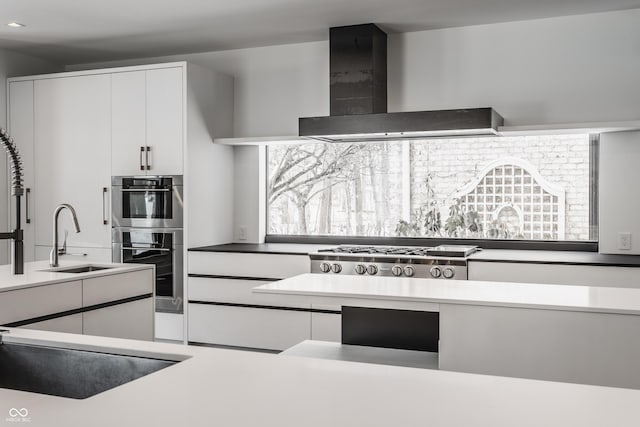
[451, 269]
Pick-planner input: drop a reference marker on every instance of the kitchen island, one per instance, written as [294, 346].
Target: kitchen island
[211, 387]
[78, 297]
[580, 334]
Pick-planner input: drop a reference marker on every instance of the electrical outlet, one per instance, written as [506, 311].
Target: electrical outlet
[242, 232]
[624, 240]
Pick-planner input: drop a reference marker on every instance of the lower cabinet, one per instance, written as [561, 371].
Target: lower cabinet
[557, 274]
[30, 303]
[326, 327]
[169, 327]
[259, 328]
[552, 345]
[98, 303]
[70, 324]
[224, 310]
[133, 320]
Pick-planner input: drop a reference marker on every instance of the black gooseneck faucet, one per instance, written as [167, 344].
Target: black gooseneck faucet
[17, 190]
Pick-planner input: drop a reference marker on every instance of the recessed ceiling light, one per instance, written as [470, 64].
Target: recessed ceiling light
[15, 25]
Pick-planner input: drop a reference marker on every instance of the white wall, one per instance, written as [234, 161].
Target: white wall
[619, 195]
[250, 194]
[13, 64]
[559, 70]
[567, 69]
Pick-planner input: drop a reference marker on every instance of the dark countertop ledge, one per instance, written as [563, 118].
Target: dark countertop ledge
[263, 248]
[487, 255]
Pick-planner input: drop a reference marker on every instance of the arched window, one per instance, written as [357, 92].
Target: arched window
[512, 196]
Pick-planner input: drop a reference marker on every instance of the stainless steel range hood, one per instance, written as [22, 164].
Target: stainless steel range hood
[410, 125]
[358, 98]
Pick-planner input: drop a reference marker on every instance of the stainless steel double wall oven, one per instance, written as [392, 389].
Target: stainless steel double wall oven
[147, 218]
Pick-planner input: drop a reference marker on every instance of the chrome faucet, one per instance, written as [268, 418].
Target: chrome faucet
[53, 256]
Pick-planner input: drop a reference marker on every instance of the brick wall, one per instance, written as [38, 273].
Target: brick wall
[561, 159]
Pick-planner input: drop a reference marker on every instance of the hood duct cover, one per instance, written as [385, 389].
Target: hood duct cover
[358, 98]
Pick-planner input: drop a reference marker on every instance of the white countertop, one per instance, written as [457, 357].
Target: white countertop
[217, 387]
[34, 274]
[343, 290]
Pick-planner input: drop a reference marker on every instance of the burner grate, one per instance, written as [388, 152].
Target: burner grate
[379, 250]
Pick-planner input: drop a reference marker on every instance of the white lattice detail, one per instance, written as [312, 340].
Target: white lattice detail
[515, 184]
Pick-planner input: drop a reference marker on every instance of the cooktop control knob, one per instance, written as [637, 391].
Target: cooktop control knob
[435, 272]
[409, 271]
[396, 270]
[448, 273]
[336, 268]
[325, 267]
[361, 269]
[372, 269]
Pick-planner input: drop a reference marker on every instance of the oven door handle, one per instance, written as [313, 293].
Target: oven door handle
[135, 248]
[144, 190]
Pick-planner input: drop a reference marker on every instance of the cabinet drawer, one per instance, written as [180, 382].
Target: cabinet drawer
[116, 287]
[70, 324]
[248, 327]
[236, 291]
[38, 301]
[559, 274]
[133, 320]
[248, 265]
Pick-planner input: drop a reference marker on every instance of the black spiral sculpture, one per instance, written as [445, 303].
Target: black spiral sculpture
[17, 188]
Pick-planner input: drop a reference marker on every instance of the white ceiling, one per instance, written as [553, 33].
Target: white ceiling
[72, 31]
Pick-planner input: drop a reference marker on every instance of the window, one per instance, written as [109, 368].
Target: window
[538, 188]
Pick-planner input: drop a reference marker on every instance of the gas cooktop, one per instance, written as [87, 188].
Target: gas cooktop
[440, 262]
[378, 250]
[442, 250]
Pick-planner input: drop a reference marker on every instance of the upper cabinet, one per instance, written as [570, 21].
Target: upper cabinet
[72, 157]
[21, 129]
[165, 134]
[147, 122]
[128, 123]
[76, 130]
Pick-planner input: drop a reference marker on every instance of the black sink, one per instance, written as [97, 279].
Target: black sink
[76, 374]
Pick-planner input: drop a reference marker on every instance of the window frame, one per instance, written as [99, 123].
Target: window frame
[590, 245]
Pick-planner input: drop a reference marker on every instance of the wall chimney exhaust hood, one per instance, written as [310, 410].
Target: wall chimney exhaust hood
[358, 98]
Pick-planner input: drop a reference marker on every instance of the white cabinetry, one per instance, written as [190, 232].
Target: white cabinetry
[128, 118]
[326, 326]
[103, 289]
[147, 122]
[558, 274]
[165, 113]
[235, 264]
[70, 324]
[132, 320]
[553, 345]
[29, 303]
[114, 305]
[72, 157]
[223, 310]
[21, 129]
[87, 126]
[250, 327]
